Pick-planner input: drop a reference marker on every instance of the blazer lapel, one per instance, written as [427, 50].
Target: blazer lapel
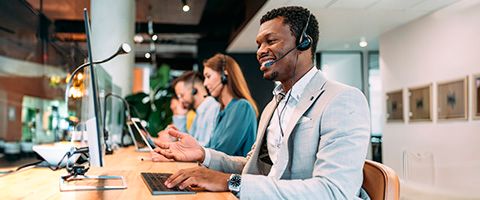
[307, 99]
[251, 165]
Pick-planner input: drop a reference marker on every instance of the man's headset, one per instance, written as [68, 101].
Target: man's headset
[303, 43]
[194, 89]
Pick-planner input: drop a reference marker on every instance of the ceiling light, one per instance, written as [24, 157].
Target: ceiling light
[138, 38]
[154, 37]
[185, 7]
[363, 43]
[147, 55]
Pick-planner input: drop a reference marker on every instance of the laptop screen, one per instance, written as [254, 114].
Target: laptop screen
[139, 142]
[144, 133]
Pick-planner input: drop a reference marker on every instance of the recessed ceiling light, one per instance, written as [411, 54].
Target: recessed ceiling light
[185, 7]
[363, 43]
[147, 55]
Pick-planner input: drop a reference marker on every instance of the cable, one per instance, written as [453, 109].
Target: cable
[108, 149]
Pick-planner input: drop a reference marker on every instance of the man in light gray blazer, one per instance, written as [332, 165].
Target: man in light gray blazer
[312, 137]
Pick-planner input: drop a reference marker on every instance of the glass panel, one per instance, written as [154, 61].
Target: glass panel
[343, 67]
[375, 94]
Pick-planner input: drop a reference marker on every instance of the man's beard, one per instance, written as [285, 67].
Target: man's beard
[273, 77]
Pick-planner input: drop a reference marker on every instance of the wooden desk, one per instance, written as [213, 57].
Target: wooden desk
[43, 183]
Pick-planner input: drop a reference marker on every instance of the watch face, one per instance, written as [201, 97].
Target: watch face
[234, 183]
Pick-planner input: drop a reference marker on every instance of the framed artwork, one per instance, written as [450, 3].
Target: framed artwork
[395, 106]
[452, 99]
[420, 103]
[476, 97]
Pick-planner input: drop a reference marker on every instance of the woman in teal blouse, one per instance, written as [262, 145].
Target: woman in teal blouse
[237, 121]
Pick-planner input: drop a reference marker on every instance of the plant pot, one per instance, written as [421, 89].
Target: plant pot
[26, 148]
[2, 146]
[12, 151]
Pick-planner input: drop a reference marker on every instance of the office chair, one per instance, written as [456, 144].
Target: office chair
[380, 181]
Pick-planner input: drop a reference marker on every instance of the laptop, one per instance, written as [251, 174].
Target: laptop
[154, 182]
[135, 133]
[145, 135]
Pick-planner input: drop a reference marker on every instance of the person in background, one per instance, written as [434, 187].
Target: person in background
[190, 94]
[237, 121]
[312, 137]
[236, 126]
[193, 95]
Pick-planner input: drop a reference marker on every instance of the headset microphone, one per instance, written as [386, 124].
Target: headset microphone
[270, 63]
[214, 88]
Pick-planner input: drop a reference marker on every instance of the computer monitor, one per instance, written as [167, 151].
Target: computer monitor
[96, 143]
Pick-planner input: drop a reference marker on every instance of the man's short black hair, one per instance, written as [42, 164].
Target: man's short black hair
[296, 17]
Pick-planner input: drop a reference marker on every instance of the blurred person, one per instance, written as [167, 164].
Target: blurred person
[192, 95]
[236, 125]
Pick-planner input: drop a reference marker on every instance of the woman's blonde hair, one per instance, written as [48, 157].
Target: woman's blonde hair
[236, 83]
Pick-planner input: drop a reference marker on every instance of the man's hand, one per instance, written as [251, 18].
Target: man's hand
[156, 157]
[185, 149]
[163, 136]
[199, 177]
[178, 108]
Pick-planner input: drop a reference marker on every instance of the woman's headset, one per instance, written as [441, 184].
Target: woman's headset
[223, 76]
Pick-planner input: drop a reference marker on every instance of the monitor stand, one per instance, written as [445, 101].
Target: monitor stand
[76, 180]
[81, 183]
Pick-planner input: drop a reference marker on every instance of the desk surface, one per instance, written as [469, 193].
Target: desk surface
[43, 183]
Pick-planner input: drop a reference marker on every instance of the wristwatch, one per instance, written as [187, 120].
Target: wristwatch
[234, 183]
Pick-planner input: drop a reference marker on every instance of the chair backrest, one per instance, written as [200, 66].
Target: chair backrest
[380, 181]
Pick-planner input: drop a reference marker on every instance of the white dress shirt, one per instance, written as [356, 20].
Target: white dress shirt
[284, 112]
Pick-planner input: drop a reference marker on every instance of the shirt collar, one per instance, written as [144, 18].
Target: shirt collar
[299, 86]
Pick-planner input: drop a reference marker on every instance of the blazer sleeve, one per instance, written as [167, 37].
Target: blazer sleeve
[225, 163]
[337, 171]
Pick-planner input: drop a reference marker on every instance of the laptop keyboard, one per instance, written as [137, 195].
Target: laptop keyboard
[154, 182]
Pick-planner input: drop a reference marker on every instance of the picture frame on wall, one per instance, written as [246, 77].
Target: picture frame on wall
[420, 104]
[395, 106]
[476, 96]
[452, 99]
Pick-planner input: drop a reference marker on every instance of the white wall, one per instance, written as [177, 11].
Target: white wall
[442, 46]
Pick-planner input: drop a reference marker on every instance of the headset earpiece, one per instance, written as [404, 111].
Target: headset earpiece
[194, 91]
[223, 76]
[305, 41]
